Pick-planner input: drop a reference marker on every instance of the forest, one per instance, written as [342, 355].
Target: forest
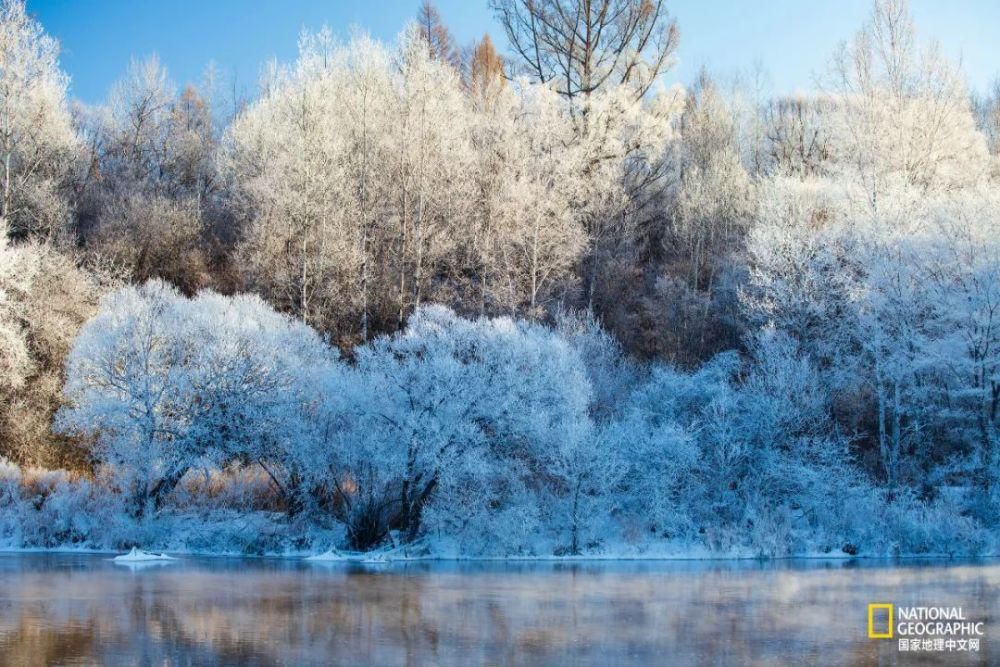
[519, 300]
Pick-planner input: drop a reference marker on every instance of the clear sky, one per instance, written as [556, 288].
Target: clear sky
[792, 39]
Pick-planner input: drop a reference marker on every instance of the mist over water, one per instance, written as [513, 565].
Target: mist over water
[73, 609]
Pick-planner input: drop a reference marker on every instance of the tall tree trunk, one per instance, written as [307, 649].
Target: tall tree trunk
[402, 259]
[534, 265]
[418, 240]
[5, 211]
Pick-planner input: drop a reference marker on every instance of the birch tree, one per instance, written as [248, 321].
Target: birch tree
[37, 143]
[284, 158]
[905, 120]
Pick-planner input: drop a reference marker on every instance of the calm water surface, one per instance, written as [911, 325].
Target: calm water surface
[86, 610]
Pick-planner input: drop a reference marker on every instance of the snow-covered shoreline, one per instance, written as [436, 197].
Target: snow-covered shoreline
[376, 557]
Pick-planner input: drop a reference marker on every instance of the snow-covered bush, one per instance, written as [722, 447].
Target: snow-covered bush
[471, 437]
[162, 384]
[237, 487]
[613, 375]
[54, 508]
[908, 525]
[452, 402]
[739, 455]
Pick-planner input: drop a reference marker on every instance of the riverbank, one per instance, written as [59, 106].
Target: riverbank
[381, 557]
[234, 515]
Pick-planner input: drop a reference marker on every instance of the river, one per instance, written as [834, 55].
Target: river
[85, 609]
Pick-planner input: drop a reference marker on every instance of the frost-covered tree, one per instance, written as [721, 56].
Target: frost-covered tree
[529, 234]
[457, 415]
[17, 269]
[140, 112]
[585, 47]
[741, 462]
[352, 189]
[160, 385]
[626, 171]
[44, 299]
[786, 338]
[850, 257]
[798, 135]
[904, 120]
[432, 158]
[543, 237]
[960, 269]
[607, 60]
[693, 303]
[37, 143]
[148, 195]
[285, 159]
[715, 196]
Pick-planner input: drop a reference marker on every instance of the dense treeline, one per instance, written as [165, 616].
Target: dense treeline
[413, 293]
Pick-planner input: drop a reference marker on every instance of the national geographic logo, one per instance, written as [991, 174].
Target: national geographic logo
[947, 629]
[880, 628]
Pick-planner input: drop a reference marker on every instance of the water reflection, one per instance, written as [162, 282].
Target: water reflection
[86, 610]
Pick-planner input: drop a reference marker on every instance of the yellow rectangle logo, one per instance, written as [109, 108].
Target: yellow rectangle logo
[872, 634]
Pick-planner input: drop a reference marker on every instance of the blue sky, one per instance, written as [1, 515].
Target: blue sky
[792, 39]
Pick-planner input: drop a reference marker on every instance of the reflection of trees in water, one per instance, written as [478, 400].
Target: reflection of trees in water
[115, 618]
[592, 614]
[22, 642]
